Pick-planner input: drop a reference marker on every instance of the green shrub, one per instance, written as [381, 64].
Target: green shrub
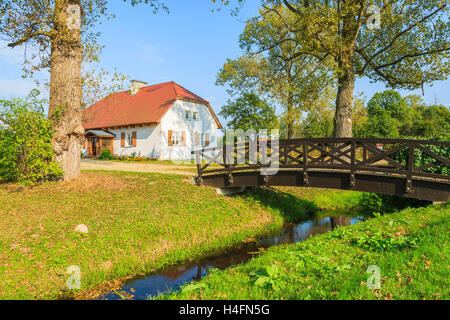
[381, 241]
[421, 158]
[26, 153]
[106, 155]
[372, 203]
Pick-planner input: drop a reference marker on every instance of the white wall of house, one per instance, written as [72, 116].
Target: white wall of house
[152, 142]
[147, 142]
[175, 120]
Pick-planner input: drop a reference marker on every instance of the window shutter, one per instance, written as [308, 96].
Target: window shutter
[84, 143]
[134, 138]
[170, 138]
[122, 140]
[207, 140]
[183, 139]
[196, 142]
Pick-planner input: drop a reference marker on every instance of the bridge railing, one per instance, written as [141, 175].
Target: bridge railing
[411, 159]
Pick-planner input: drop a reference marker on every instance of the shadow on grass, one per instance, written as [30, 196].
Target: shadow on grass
[292, 208]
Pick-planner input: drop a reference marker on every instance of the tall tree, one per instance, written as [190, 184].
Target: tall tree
[432, 122]
[250, 112]
[273, 69]
[402, 43]
[388, 114]
[59, 29]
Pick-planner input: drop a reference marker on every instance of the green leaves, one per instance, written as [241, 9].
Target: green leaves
[26, 152]
[272, 67]
[392, 116]
[270, 278]
[381, 241]
[106, 155]
[249, 112]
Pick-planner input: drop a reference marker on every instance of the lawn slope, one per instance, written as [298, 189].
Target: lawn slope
[410, 248]
[138, 222]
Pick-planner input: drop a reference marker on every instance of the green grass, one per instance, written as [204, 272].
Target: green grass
[326, 199]
[137, 223]
[410, 247]
[293, 201]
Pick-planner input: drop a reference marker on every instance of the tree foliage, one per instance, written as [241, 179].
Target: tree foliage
[318, 123]
[388, 114]
[273, 69]
[62, 33]
[25, 141]
[250, 112]
[98, 83]
[33, 23]
[392, 116]
[408, 49]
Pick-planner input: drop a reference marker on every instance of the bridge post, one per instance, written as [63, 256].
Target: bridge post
[199, 167]
[352, 165]
[305, 164]
[412, 148]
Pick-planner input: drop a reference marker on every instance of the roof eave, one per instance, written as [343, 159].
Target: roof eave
[124, 126]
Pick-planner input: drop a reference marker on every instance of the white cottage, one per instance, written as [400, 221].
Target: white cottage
[164, 122]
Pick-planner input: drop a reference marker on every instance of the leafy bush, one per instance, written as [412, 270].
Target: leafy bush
[134, 158]
[380, 241]
[421, 158]
[106, 155]
[26, 153]
[271, 278]
[372, 203]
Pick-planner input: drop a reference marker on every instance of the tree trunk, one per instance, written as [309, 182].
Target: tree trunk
[290, 130]
[290, 116]
[346, 75]
[343, 118]
[65, 91]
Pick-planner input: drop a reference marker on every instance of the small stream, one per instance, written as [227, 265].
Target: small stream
[174, 277]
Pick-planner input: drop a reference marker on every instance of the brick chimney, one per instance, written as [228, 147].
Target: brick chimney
[137, 85]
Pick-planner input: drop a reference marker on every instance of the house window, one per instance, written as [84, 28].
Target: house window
[129, 140]
[188, 115]
[195, 116]
[176, 139]
[205, 140]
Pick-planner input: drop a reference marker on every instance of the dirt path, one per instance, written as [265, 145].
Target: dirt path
[88, 164]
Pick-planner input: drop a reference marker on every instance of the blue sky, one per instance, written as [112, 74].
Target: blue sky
[188, 45]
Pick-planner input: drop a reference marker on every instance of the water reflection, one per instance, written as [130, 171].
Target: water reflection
[175, 277]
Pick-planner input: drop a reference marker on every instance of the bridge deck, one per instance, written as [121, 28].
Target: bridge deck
[384, 166]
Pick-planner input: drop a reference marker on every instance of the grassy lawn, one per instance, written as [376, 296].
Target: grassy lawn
[137, 223]
[410, 247]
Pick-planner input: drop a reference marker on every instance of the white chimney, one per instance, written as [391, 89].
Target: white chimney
[137, 85]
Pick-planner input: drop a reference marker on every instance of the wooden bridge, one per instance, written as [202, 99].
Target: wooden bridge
[408, 168]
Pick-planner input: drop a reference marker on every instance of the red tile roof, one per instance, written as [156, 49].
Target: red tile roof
[147, 106]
